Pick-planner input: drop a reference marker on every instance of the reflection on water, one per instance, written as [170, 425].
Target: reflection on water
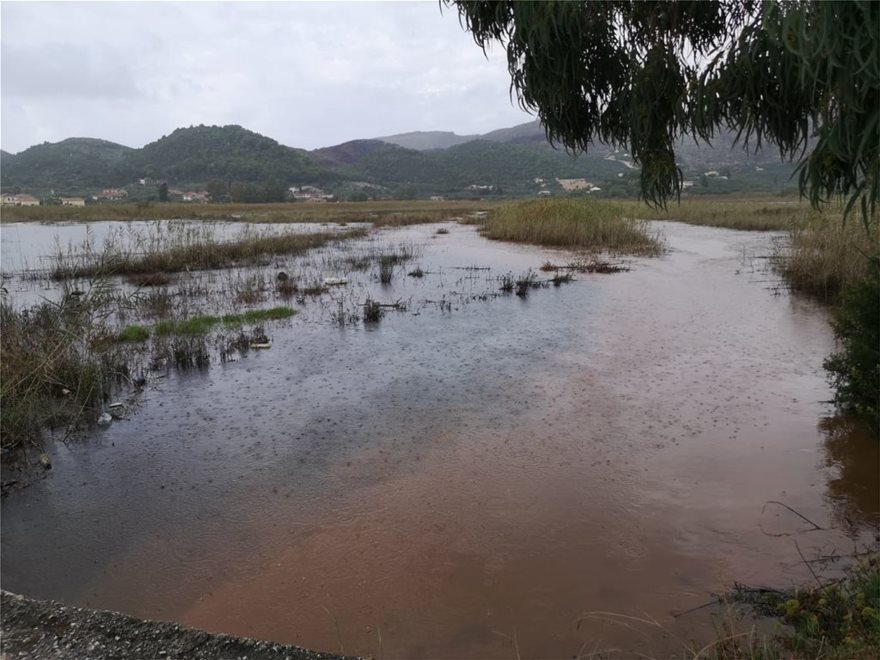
[853, 451]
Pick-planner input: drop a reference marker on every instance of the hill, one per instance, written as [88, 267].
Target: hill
[426, 140]
[528, 133]
[389, 165]
[71, 164]
[199, 154]
[511, 161]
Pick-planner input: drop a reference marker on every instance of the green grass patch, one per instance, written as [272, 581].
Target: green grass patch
[257, 315]
[203, 324]
[197, 325]
[134, 333]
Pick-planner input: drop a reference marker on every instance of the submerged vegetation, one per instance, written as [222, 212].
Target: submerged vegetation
[61, 362]
[177, 250]
[204, 323]
[51, 373]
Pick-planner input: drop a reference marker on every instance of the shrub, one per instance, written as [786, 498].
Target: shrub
[854, 371]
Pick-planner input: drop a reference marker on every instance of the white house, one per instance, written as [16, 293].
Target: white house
[19, 200]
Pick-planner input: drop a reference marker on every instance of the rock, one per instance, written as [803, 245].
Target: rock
[282, 276]
[45, 462]
[105, 419]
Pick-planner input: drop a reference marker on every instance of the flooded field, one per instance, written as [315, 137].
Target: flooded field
[477, 474]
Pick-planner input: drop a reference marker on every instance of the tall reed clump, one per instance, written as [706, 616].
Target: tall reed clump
[49, 374]
[827, 255]
[572, 223]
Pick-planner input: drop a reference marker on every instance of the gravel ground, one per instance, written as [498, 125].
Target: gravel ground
[50, 631]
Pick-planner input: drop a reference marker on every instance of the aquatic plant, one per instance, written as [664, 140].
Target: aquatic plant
[50, 373]
[386, 271]
[373, 311]
[149, 279]
[176, 251]
[134, 333]
[526, 282]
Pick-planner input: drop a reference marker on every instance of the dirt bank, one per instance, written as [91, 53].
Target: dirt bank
[50, 631]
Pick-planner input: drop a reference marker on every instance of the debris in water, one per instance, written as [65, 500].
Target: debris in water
[262, 345]
[45, 462]
[105, 419]
[116, 410]
[335, 281]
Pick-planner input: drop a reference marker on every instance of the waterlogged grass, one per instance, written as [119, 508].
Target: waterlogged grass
[572, 223]
[257, 315]
[177, 252]
[50, 376]
[193, 326]
[744, 214]
[205, 323]
[380, 213]
[134, 333]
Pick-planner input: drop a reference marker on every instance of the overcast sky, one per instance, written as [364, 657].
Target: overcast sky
[308, 74]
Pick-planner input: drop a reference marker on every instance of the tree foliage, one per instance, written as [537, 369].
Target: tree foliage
[801, 75]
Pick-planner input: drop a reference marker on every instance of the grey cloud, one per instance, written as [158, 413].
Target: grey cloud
[306, 74]
[65, 70]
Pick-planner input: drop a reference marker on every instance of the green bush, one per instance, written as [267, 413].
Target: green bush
[854, 371]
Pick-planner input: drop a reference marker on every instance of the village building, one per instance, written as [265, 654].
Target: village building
[308, 193]
[113, 193]
[73, 201]
[201, 197]
[19, 200]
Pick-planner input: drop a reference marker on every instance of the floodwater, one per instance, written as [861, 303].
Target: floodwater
[550, 476]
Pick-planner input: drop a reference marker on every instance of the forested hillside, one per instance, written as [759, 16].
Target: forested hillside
[225, 159]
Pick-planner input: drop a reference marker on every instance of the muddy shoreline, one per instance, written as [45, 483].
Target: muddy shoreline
[48, 630]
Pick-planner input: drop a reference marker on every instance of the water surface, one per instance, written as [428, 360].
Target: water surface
[472, 482]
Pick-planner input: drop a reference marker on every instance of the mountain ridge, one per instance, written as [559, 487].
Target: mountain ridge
[516, 160]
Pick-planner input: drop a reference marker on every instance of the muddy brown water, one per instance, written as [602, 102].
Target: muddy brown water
[548, 476]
